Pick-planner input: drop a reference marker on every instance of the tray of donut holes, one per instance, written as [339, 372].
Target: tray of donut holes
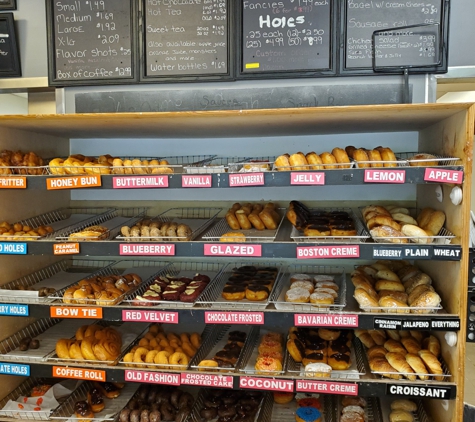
[311, 288]
[330, 225]
[394, 224]
[257, 222]
[243, 287]
[101, 401]
[394, 287]
[160, 348]
[359, 409]
[324, 353]
[403, 410]
[224, 349]
[173, 225]
[397, 354]
[96, 343]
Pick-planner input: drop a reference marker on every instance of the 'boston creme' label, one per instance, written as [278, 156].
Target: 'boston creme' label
[315, 252]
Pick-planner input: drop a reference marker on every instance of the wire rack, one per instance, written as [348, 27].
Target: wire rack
[251, 235]
[112, 406]
[444, 236]
[317, 167]
[405, 310]
[361, 236]
[112, 220]
[212, 298]
[11, 292]
[355, 371]
[216, 340]
[183, 269]
[421, 415]
[440, 160]
[278, 296]
[198, 219]
[24, 390]
[233, 165]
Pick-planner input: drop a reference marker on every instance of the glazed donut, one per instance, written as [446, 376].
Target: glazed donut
[184, 338]
[164, 343]
[161, 358]
[232, 220]
[341, 157]
[296, 349]
[266, 216]
[62, 348]
[375, 158]
[267, 365]
[244, 222]
[80, 332]
[128, 358]
[282, 163]
[172, 336]
[87, 345]
[189, 350]
[256, 221]
[140, 355]
[143, 342]
[195, 340]
[361, 158]
[298, 161]
[150, 356]
[155, 329]
[315, 161]
[328, 160]
[205, 365]
[175, 344]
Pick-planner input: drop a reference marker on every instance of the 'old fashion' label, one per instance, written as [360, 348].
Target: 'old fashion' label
[152, 377]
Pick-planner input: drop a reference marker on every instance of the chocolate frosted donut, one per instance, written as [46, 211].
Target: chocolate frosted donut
[186, 400]
[234, 288]
[237, 283]
[229, 400]
[208, 413]
[124, 415]
[155, 416]
[135, 416]
[245, 269]
[183, 414]
[226, 411]
[239, 277]
[144, 415]
[258, 288]
[175, 397]
[167, 411]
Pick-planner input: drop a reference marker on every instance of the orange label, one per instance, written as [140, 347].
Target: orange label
[74, 182]
[12, 182]
[65, 248]
[75, 312]
[79, 373]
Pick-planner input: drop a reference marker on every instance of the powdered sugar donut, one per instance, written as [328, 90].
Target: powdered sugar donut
[307, 285]
[298, 295]
[299, 277]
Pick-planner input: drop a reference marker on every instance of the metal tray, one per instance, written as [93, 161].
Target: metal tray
[310, 167]
[372, 410]
[354, 372]
[278, 296]
[252, 235]
[198, 219]
[216, 340]
[361, 237]
[211, 297]
[112, 220]
[442, 160]
[444, 237]
[204, 330]
[59, 275]
[183, 269]
[112, 406]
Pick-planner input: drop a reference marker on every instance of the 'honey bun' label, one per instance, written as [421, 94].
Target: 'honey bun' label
[73, 182]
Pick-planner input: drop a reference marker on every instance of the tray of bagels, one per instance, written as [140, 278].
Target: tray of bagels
[394, 224]
[340, 225]
[250, 222]
[395, 287]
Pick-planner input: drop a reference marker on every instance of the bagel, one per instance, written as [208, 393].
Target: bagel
[382, 220]
[416, 234]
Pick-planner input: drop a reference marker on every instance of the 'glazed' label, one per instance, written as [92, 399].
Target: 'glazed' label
[230, 249]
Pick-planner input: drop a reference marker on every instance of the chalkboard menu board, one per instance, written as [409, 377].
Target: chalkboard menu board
[9, 57]
[91, 41]
[286, 36]
[363, 17]
[185, 38]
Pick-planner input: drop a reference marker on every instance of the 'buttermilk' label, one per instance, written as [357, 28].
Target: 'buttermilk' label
[150, 316]
[140, 182]
[144, 249]
[315, 252]
[304, 386]
[307, 178]
[310, 320]
[246, 179]
[195, 181]
[243, 318]
[385, 176]
[443, 176]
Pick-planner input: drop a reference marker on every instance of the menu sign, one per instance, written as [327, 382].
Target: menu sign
[9, 55]
[186, 38]
[90, 41]
[286, 35]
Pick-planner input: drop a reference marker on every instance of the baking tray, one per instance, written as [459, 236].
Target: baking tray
[60, 219]
[275, 412]
[354, 372]
[198, 219]
[112, 406]
[420, 415]
[216, 340]
[211, 297]
[203, 395]
[182, 269]
[252, 352]
[204, 330]
[59, 276]
[446, 375]
[129, 332]
[252, 235]
[442, 160]
[112, 220]
[372, 410]
[444, 237]
[361, 237]
[278, 296]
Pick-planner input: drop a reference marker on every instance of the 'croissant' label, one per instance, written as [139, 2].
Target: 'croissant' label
[140, 182]
[304, 386]
[75, 312]
[12, 182]
[152, 377]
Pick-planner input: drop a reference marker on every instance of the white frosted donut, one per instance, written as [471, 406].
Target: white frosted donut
[327, 285]
[331, 292]
[307, 285]
[323, 277]
[297, 295]
[299, 277]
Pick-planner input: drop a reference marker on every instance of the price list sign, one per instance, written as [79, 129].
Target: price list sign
[392, 48]
[90, 41]
[286, 35]
[187, 38]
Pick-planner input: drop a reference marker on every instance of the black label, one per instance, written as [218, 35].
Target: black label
[285, 35]
[441, 393]
[447, 254]
[387, 323]
[90, 40]
[418, 324]
[445, 324]
[417, 252]
[365, 17]
[387, 252]
[186, 38]
[9, 57]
